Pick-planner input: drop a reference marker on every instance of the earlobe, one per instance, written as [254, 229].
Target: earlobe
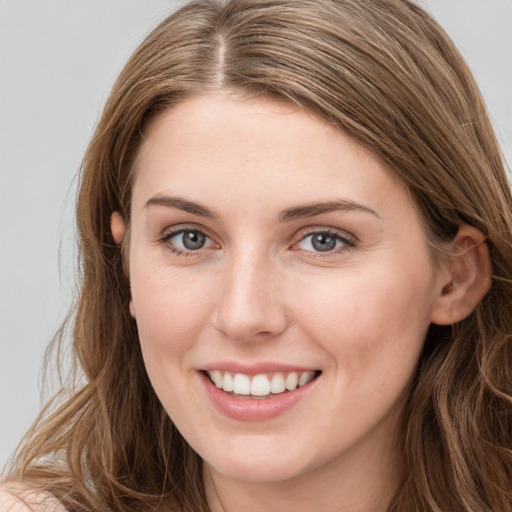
[131, 308]
[468, 277]
[117, 227]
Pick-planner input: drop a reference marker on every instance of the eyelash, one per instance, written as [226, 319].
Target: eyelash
[165, 240]
[348, 243]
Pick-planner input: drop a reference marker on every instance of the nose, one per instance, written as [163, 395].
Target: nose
[249, 306]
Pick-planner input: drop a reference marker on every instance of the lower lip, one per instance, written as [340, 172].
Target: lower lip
[247, 409]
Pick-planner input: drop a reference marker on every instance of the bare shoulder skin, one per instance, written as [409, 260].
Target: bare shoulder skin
[16, 497]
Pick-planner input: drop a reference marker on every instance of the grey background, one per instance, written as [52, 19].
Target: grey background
[58, 59]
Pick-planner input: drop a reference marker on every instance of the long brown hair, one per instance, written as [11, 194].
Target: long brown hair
[387, 75]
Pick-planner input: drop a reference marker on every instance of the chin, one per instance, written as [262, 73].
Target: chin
[259, 473]
[270, 468]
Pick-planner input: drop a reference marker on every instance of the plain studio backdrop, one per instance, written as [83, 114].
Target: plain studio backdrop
[58, 60]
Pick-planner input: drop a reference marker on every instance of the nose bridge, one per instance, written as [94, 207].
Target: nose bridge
[249, 306]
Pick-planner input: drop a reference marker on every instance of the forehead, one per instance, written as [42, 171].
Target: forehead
[225, 148]
[216, 121]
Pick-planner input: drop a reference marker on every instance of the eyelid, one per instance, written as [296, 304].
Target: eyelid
[350, 240]
[309, 230]
[170, 231]
[173, 231]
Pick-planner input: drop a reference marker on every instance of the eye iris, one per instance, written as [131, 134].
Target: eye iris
[193, 240]
[323, 242]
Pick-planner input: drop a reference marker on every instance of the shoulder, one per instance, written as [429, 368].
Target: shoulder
[20, 498]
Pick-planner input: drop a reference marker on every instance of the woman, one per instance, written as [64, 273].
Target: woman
[296, 255]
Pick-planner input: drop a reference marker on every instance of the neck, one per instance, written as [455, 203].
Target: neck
[363, 480]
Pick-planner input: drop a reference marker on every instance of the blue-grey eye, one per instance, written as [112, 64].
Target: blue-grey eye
[188, 240]
[193, 240]
[322, 241]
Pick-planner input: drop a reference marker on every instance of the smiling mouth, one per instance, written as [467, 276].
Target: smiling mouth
[263, 385]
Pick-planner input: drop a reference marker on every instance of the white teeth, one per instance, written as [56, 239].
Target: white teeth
[241, 384]
[292, 379]
[277, 383]
[305, 377]
[228, 382]
[260, 385]
[217, 378]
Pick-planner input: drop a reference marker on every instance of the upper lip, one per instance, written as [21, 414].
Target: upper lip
[255, 368]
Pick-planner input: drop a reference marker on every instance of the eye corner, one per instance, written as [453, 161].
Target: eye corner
[187, 241]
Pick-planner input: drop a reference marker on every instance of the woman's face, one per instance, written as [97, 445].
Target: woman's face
[265, 248]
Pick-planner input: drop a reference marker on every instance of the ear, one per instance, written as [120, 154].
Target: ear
[117, 226]
[467, 277]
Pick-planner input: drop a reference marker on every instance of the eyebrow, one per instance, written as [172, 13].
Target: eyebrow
[299, 212]
[181, 204]
[312, 209]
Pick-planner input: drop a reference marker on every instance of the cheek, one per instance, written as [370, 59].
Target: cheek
[368, 319]
[171, 310]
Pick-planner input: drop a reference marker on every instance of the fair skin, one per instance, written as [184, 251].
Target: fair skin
[232, 269]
